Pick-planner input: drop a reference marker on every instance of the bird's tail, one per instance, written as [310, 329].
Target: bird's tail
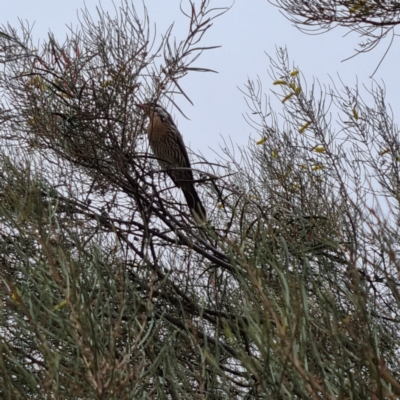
[195, 205]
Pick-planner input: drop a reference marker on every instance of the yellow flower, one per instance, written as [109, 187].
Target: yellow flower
[303, 166]
[261, 141]
[294, 73]
[358, 5]
[280, 82]
[36, 80]
[107, 83]
[295, 186]
[297, 90]
[355, 113]
[293, 86]
[220, 206]
[304, 127]
[274, 153]
[15, 296]
[346, 320]
[287, 97]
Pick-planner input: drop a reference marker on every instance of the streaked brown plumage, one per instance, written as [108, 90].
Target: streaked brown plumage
[167, 145]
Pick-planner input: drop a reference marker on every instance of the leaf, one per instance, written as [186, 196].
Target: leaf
[60, 305]
[287, 97]
[317, 167]
[304, 127]
[107, 83]
[383, 152]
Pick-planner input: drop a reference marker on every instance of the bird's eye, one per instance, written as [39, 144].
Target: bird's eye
[162, 113]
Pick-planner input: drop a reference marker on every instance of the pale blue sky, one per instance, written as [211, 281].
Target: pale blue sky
[246, 32]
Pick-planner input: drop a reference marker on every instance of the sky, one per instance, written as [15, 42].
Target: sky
[247, 32]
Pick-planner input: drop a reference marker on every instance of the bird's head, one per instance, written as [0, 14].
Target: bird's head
[152, 108]
[147, 106]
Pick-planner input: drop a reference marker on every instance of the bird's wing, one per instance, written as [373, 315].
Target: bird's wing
[183, 150]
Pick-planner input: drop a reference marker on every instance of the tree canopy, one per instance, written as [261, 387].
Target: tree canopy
[109, 290]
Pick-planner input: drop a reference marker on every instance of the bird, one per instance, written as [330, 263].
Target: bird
[167, 145]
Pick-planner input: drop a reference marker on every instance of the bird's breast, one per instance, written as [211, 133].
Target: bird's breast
[156, 129]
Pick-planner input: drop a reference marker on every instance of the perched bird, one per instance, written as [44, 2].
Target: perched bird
[167, 145]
